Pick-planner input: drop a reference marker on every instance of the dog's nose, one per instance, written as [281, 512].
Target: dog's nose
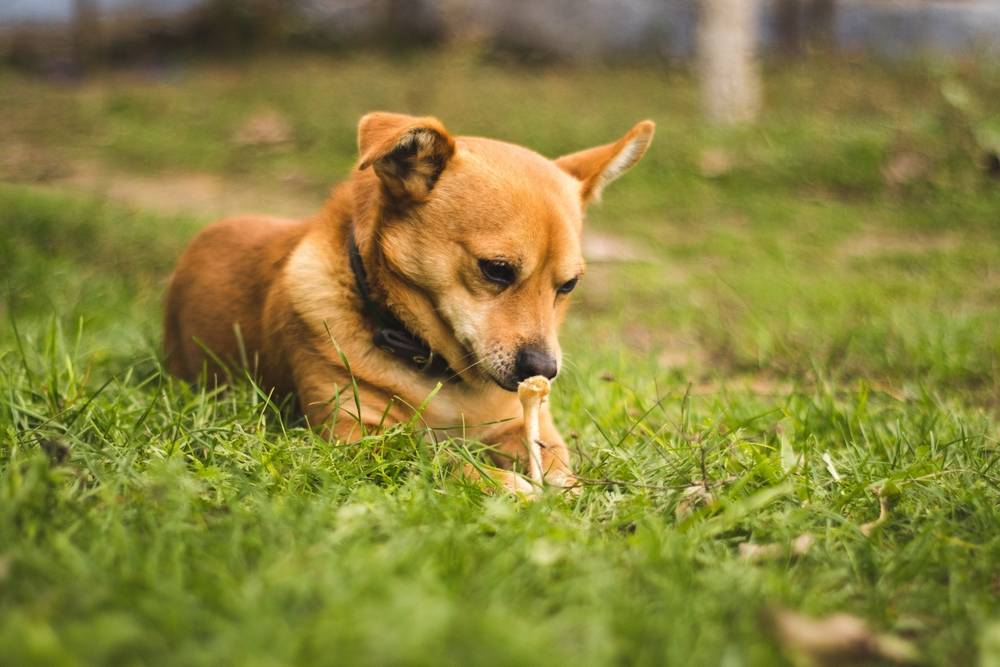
[533, 360]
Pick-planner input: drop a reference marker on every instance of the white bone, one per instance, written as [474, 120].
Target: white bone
[532, 393]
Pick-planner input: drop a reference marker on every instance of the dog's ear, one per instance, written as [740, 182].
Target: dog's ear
[407, 153]
[596, 167]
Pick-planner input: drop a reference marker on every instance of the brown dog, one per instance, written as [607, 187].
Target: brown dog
[441, 260]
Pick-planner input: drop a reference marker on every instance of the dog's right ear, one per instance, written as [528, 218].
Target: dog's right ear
[407, 153]
[596, 167]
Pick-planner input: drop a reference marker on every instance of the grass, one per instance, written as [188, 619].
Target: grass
[800, 303]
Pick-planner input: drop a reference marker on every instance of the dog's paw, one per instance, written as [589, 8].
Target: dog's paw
[520, 486]
[497, 479]
[564, 481]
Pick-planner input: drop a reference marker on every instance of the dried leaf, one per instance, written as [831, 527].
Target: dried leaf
[789, 459]
[888, 494]
[840, 639]
[756, 553]
[692, 497]
[830, 467]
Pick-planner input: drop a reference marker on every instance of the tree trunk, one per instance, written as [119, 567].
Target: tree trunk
[821, 19]
[85, 38]
[788, 27]
[730, 81]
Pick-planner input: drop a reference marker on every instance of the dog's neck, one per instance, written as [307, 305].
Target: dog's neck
[389, 333]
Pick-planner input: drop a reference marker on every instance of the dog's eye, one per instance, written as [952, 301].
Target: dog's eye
[497, 271]
[568, 286]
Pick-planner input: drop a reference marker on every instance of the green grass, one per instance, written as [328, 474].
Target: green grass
[798, 300]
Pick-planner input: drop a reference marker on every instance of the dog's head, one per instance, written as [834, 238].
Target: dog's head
[475, 243]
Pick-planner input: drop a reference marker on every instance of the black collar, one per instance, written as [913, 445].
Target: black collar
[390, 334]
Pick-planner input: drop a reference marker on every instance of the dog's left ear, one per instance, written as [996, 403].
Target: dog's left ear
[596, 167]
[407, 153]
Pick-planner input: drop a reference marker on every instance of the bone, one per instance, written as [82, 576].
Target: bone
[532, 393]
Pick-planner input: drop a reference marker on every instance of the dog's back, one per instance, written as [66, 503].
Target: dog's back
[216, 297]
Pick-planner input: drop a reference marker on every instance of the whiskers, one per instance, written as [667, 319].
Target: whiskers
[469, 367]
[567, 362]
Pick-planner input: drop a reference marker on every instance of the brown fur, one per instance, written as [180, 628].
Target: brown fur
[279, 297]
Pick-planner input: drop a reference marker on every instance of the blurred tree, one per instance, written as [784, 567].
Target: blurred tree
[803, 24]
[727, 39]
[239, 26]
[85, 34]
[787, 27]
[820, 21]
[407, 23]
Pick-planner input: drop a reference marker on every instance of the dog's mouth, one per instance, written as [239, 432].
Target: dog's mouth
[507, 384]
[487, 375]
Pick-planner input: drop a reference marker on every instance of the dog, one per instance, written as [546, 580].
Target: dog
[444, 263]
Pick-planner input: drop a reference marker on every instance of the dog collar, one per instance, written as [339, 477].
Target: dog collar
[390, 334]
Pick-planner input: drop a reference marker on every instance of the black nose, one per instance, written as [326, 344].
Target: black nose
[533, 360]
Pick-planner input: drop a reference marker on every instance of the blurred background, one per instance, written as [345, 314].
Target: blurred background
[821, 200]
[801, 276]
[71, 35]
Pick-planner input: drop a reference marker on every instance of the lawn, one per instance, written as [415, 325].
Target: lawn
[797, 320]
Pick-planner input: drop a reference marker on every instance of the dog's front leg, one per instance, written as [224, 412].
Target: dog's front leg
[335, 420]
[328, 400]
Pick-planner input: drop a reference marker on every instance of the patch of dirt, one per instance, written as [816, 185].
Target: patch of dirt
[880, 243]
[715, 162]
[757, 384]
[201, 194]
[265, 128]
[21, 163]
[904, 167]
[676, 352]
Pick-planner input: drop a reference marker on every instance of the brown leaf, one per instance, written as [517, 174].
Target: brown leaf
[692, 497]
[756, 553]
[840, 639]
